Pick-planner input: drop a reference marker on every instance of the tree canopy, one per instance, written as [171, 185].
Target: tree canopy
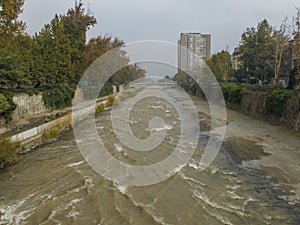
[220, 64]
[263, 49]
[57, 55]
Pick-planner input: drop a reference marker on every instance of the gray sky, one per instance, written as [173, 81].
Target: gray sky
[136, 20]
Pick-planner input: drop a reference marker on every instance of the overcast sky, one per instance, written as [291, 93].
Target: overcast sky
[135, 20]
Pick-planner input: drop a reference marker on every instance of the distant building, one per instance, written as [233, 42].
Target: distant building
[236, 59]
[194, 44]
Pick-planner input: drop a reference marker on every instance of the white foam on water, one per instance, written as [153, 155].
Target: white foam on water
[214, 170]
[234, 187]
[159, 220]
[177, 169]
[194, 164]
[73, 214]
[233, 195]
[156, 107]
[118, 148]
[9, 213]
[166, 127]
[76, 164]
[191, 179]
[205, 199]
[133, 121]
[121, 188]
[249, 199]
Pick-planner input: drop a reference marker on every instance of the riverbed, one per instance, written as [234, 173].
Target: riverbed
[54, 184]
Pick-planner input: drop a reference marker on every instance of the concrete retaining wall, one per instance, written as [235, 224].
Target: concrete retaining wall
[28, 106]
[254, 104]
[38, 135]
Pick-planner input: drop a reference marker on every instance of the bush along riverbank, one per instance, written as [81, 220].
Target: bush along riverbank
[276, 105]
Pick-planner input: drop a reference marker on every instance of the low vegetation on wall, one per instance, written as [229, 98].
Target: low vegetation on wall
[8, 153]
[276, 101]
[276, 97]
[58, 97]
[233, 92]
[7, 106]
[89, 92]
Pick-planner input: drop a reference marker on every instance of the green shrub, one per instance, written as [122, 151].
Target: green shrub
[100, 108]
[91, 92]
[106, 90]
[262, 88]
[32, 92]
[58, 97]
[276, 101]
[4, 104]
[8, 153]
[110, 101]
[232, 92]
[8, 105]
[50, 134]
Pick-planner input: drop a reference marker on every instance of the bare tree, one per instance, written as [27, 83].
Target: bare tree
[281, 39]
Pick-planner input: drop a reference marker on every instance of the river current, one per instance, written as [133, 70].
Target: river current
[54, 185]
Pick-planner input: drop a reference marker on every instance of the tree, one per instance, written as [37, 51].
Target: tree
[52, 55]
[76, 24]
[281, 40]
[263, 50]
[295, 75]
[4, 104]
[9, 23]
[220, 65]
[255, 50]
[9, 72]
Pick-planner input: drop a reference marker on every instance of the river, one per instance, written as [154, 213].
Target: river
[54, 185]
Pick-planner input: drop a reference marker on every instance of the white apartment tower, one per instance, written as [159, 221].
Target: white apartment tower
[193, 44]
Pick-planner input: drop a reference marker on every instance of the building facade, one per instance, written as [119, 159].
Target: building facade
[192, 48]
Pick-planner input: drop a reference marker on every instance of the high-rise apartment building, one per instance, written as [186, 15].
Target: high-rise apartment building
[195, 46]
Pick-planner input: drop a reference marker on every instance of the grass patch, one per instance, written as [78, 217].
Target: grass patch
[8, 152]
[100, 108]
[50, 134]
[110, 101]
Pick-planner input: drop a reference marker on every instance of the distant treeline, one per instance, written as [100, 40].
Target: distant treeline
[57, 56]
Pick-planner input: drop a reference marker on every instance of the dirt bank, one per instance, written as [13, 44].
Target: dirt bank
[257, 144]
[241, 149]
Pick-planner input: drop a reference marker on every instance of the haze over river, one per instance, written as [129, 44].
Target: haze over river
[54, 184]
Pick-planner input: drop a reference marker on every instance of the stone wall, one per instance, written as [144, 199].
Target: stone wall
[291, 116]
[254, 104]
[36, 136]
[28, 106]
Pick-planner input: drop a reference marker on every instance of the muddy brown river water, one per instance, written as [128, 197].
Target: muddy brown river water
[54, 185]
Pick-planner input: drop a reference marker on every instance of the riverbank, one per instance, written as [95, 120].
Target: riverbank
[56, 185]
[32, 132]
[254, 143]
